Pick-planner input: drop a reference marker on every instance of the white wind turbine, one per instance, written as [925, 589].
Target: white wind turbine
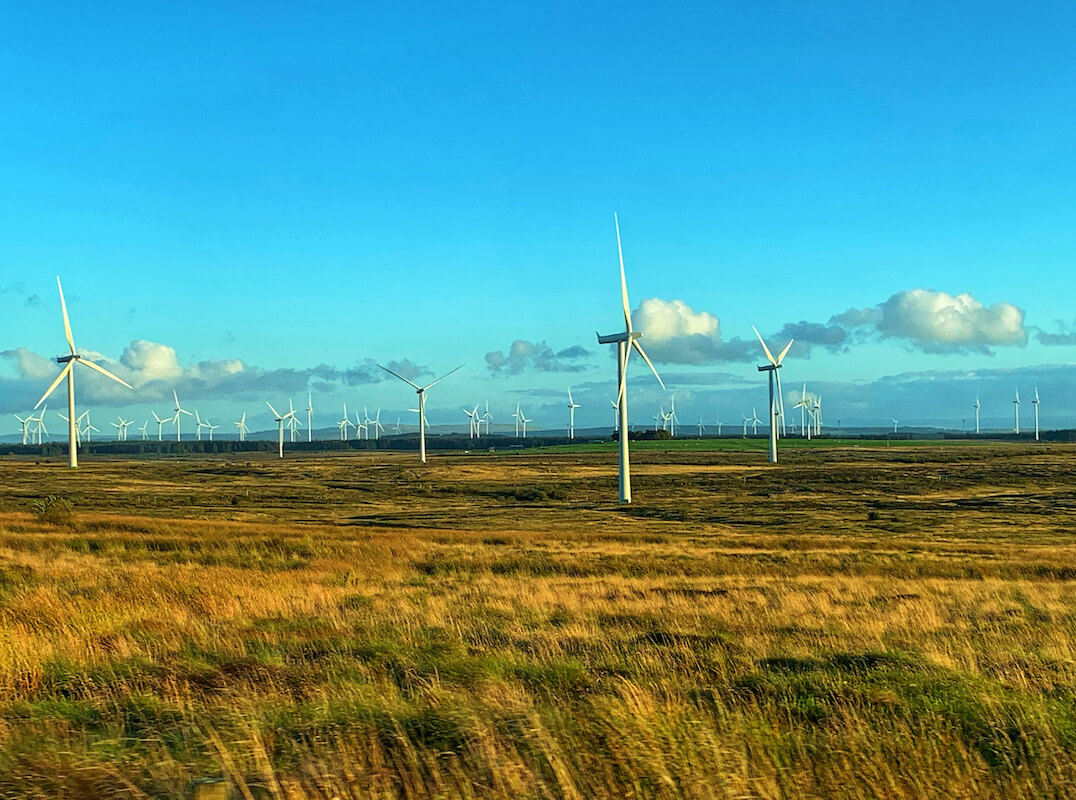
[119, 429]
[515, 416]
[702, 428]
[616, 415]
[754, 422]
[673, 419]
[421, 391]
[572, 406]
[211, 428]
[68, 372]
[1035, 403]
[775, 405]
[397, 429]
[1016, 410]
[895, 421]
[719, 424]
[378, 427]
[309, 416]
[179, 412]
[80, 429]
[160, 425]
[625, 341]
[25, 422]
[280, 420]
[142, 430]
[241, 425]
[343, 425]
[199, 424]
[803, 405]
[293, 422]
[40, 426]
[976, 407]
[472, 417]
[745, 419]
[523, 421]
[818, 415]
[487, 418]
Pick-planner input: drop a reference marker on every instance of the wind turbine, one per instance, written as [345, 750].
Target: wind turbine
[309, 416]
[818, 415]
[472, 419]
[1035, 403]
[772, 368]
[68, 372]
[895, 421]
[40, 427]
[616, 415]
[702, 428]
[378, 427]
[976, 407]
[719, 424]
[160, 425]
[1016, 409]
[673, 419]
[523, 420]
[242, 426]
[25, 422]
[179, 411]
[343, 425]
[754, 422]
[199, 423]
[803, 405]
[211, 428]
[293, 421]
[745, 420]
[142, 430]
[280, 420]
[421, 391]
[515, 416]
[625, 342]
[397, 430]
[572, 406]
[119, 429]
[487, 418]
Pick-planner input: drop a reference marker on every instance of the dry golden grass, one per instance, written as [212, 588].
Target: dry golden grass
[890, 623]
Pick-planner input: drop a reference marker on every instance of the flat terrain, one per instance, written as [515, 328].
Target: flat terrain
[871, 621]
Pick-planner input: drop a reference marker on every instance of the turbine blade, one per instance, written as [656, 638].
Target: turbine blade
[623, 280]
[428, 385]
[275, 412]
[761, 341]
[784, 352]
[67, 322]
[104, 372]
[55, 383]
[401, 377]
[639, 347]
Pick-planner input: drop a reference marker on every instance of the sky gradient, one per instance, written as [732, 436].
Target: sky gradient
[269, 197]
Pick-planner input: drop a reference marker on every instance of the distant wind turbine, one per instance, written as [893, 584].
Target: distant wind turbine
[1035, 403]
[160, 425]
[572, 406]
[280, 420]
[421, 391]
[241, 425]
[179, 412]
[309, 416]
[68, 372]
[1016, 410]
[976, 407]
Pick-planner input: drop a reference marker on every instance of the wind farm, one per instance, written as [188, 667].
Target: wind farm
[529, 536]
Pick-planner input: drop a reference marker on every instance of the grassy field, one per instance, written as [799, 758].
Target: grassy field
[887, 622]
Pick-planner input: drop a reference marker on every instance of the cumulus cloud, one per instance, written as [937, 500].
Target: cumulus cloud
[523, 355]
[675, 333]
[939, 322]
[370, 372]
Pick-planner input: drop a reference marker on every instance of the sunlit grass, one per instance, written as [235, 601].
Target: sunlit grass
[891, 625]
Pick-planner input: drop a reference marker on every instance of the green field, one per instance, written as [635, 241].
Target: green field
[882, 622]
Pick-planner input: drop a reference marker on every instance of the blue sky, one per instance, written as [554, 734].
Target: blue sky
[321, 185]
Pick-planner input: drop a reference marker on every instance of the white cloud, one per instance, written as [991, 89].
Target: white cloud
[939, 322]
[674, 333]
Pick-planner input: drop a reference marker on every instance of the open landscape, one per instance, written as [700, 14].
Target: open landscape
[863, 621]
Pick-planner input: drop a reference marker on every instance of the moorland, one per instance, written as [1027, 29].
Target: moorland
[860, 621]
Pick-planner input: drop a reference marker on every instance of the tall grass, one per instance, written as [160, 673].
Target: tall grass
[891, 625]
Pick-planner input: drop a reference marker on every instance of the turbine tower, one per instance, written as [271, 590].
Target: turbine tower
[68, 372]
[421, 391]
[976, 407]
[280, 420]
[572, 406]
[1035, 403]
[160, 424]
[895, 421]
[242, 426]
[309, 416]
[772, 368]
[344, 424]
[625, 343]
[1016, 410]
[179, 411]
